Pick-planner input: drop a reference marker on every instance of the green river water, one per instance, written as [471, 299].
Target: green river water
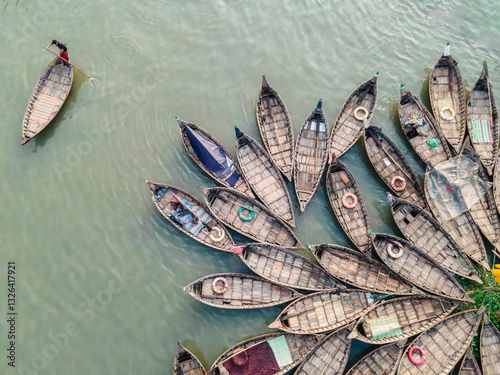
[98, 270]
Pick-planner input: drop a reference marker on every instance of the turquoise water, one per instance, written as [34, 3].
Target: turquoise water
[98, 270]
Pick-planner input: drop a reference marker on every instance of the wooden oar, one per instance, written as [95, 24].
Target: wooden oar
[73, 65]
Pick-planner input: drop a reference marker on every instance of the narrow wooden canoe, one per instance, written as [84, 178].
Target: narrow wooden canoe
[401, 318]
[285, 267]
[413, 265]
[359, 105]
[275, 127]
[324, 311]
[443, 345]
[310, 155]
[249, 217]
[496, 183]
[186, 363]
[209, 230]
[329, 357]
[446, 90]
[424, 232]
[490, 347]
[427, 138]
[360, 270]
[381, 361]
[347, 204]
[286, 350]
[48, 96]
[239, 291]
[264, 177]
[211, 156]
[482, 120]
[469, 365]
[462, 228]
[392, 167]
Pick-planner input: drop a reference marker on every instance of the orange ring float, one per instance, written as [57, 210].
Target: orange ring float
[223, 289]
[354, 200]
[402, 182]
[413, 360]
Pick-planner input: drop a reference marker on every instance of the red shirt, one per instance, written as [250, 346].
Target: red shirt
[64, 55]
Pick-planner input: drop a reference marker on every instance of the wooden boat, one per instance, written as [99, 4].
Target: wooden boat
[186, 363]
[443, 345]
[447, 91]
[208, 230]
[392, 166]
[482, 120]
[310, 155]
[275, 128]
[358, 106]
[211, 156]
[329, 357]
[462, 229]
[274, 351]
[381, 361]
[420, 228]
[469, 365]
[496, 183]
[490, 347]
[347, 204]
[285, 267]
[264, 177]
[421, 129]
[239, 291]
[48, 96]
[324, 311]
[413, 265]
[401, 318]
[249, 217]
[359, 270]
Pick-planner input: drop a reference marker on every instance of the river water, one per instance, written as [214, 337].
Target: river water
[98, 270]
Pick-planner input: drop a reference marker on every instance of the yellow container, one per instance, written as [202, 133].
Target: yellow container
[495, 272]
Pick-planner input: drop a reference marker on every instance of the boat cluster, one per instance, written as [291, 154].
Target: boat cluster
[388, 290]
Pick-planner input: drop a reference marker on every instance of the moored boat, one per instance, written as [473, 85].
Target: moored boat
[264, 177]
[421, 129]
[413, 265]
[186, 363]
[347, 204]
[360, 270]
[239, 291]
[211, 156]
[392, 166]
[190, 216]
[273, 353]
[358, 106]
[275, 128]
[48, 96]
[482, 120]
[420, 228]
[381, 361]
[469, 365]
[310, 155]
[447, 96]
[285, 267]
[249, 217]
[490, 347]
[401, 318]
[437, 350]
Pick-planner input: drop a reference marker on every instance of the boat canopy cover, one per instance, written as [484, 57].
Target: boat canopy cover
[454, 186]
[210, 154]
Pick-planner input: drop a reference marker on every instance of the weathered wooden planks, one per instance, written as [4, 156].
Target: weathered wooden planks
[241, 184]
[54, 84]
[381, 361]
[243, 291]
[446, 90]
[275, 128]
[264, 177]
[186, 363]
[249, 217]
[421, 129]
[310, 155]
[285, 267]
[347, 128]
[347, 204]
[469, 365]
[490, 347]
[213, 233]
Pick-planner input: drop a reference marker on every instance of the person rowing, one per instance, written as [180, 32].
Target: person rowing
[63, 54]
